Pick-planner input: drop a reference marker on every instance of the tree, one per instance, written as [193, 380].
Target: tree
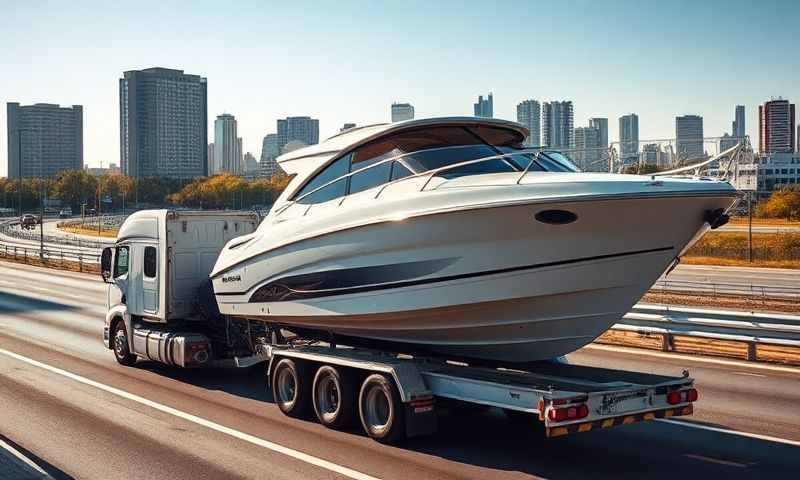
[116, 186]
[783, 203]
[75, 187]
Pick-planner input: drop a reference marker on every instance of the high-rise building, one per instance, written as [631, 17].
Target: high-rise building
[484, 107]
[629, 137]
[652, 154]
[301, 129]
[737, 128]
[727, 141]
[602, 125]
[227, 145]
[212, 166]
[163, 123]
[557, 124]
[689, 137]
[529, 113]
[43, 139]
[586, 150]
[776, 126]
[270, 150]
[402, 111]
[250, 164]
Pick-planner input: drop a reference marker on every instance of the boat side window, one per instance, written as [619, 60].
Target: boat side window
[337, 189]
[371, 177]
[121, 263]
[399, 171]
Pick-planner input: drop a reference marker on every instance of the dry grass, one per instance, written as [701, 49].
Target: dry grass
[735, 262]
[777, 222]
[780, 250]
[92, 231]
[731, 302]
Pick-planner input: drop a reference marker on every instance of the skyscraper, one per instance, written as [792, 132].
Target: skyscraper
[212, 166]
[629, 136]
[689, 137]
[270, 150]
[737, 128]
[586, 151]
[227, 146]
[602, 125]
[402, 111]
[301, 129]
[776, 127]
[250, 164]
[43, 139]
[557, 124]
[529, 113]
[163, 123]
[484, 107]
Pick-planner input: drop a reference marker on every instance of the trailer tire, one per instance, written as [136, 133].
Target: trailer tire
[291, 389]
[381, 410]
[121, 346]
[333, 397]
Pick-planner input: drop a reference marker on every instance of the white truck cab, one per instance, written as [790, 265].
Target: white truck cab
[155, 272]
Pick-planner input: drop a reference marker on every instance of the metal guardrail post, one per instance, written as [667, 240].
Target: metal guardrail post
[80, 262]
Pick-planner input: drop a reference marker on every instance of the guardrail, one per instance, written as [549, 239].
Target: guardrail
[10, 229]
[67, 259]
[744, 335]
[749, 289]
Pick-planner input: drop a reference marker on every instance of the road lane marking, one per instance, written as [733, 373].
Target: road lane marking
[716, 460]
[749, 374]
[22, 458]
[694, 358]
[756, 436]
[290, 452]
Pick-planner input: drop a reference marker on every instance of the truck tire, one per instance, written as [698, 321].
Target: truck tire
[381, 410]
[291, 389]
[333, 397]
[120, 345]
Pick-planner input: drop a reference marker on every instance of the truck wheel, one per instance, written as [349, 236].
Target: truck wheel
[290, 389]
[121, 346]
[381, 411]
[333, 397]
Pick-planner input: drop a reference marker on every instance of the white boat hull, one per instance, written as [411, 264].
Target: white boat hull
[489, 283]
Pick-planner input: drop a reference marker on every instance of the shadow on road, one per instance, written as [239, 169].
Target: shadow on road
[488, 439]
[54, 472]
[11, 302]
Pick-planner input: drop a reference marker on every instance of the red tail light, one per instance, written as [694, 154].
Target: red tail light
[691, 395]
[674, 397]
[574, 412]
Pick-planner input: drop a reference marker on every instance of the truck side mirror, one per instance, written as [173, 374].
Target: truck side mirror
[105, 263]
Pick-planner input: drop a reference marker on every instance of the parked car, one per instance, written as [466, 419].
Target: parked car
[65, 213]
[28, 220]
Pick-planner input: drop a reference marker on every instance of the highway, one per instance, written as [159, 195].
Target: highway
[744, 276]
[78, 414]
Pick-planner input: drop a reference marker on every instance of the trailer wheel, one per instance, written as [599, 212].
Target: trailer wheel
[333, 397]
[381, 411]
[290, 388]
[122, 351]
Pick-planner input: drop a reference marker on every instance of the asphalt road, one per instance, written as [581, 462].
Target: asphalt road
[77, 414]
[738, 227]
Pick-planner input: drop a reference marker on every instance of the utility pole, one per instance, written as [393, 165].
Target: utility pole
[750, 226]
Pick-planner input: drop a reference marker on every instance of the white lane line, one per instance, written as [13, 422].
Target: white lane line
[749, 374]
[22, 458]
[716, 460]
[290, 452]
[695, 358]
[756, 436]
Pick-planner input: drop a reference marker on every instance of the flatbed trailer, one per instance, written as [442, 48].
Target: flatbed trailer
[158, 271]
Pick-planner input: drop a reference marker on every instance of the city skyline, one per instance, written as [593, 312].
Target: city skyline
[88, 69]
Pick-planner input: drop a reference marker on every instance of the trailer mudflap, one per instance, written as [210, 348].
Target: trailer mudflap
[616, 421]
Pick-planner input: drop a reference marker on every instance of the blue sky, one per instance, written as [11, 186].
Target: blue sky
[347, 61]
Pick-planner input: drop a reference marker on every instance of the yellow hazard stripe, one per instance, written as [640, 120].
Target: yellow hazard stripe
[622, 420]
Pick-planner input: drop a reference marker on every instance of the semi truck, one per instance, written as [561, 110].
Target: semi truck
[161, 308]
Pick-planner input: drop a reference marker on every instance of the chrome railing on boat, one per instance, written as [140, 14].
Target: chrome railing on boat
[534, 154]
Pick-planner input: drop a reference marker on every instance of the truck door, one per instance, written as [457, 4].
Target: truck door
[117, 291]
[150, 279]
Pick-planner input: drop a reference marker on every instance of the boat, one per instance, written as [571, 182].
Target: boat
[446, 235]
